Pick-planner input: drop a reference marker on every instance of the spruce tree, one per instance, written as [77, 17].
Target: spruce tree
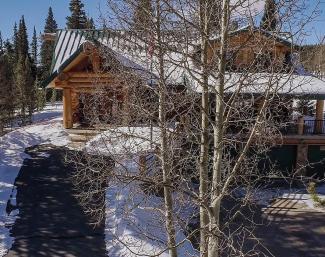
[269, 20]
[90, 24]
[20, 82]
[47, 47]
[24, 75]
[50, 24]
[1, 44]
[215, 15]
[6, 90]
[9, 49]
[15, 43]
[78, 19]
[22, 44]
[24, 80]
[34, 48]
[30, 89]
[142, 17]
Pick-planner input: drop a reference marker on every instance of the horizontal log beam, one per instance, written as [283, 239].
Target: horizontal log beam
[89, 75]
[90, 80]
[61, 84]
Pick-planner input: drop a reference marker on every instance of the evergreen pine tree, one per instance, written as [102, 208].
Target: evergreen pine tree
[47, 47]
[24, 75]
[24, 81]
[306, 107]
[215, 15]
[90, 24]
[269, 20]
[9, 49]
[34, 48]
[22, 39]
[1, 45]
[50, 24]
[15, 43]
[78, 19]
[30, 90]
[142, 17]
[6, 90]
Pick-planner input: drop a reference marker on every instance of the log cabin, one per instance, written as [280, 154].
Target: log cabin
[79, 70]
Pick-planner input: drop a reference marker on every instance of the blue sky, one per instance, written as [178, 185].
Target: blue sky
[35, 12]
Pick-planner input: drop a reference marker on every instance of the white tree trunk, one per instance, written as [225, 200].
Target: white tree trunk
[166, 161]
[213, 247]
[204, 149]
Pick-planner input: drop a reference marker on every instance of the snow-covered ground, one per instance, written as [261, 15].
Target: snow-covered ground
[134, 220]
[46, 129]
[128, 215]
[135, 223]
[120, 225]
[124, 141]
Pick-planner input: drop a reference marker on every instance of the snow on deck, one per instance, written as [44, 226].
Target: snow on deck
[47, 129]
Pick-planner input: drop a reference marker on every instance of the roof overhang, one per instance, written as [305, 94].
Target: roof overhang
[291, 85]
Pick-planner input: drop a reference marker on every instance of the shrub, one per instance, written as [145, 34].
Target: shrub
[311, 189]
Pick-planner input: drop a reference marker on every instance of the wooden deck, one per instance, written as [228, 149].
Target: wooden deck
[304, 139]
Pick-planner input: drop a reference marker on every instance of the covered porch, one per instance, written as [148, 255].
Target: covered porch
[306, 124]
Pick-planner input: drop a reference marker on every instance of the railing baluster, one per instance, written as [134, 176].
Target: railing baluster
[314, 127]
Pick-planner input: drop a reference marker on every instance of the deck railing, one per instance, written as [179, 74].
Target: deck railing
[305, 127]
[314, 127]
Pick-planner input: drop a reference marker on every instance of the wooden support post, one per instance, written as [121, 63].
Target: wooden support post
[95, 59]
[143, 163]
[319, 116]
[126, 107]
[67, 108]
[301, 125]
[302, 159]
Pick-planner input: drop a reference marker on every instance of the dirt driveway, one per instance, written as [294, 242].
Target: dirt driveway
[51, 223]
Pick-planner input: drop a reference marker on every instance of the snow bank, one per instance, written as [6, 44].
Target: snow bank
[135, 225]
[134, 221]
[46, 130]
[124, 141]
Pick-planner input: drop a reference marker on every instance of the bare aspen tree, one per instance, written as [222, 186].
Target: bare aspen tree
[218, 132]
[164, 149]
[204, 152]
[223, 109]
[196, 114]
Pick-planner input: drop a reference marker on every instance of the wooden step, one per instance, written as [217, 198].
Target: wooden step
[80, 138]
[93, 132]
[77, 145]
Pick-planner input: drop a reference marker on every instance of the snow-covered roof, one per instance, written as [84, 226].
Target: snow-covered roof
[259, 83]
[69, 44]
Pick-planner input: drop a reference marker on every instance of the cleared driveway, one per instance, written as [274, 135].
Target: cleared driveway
[51, 222]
